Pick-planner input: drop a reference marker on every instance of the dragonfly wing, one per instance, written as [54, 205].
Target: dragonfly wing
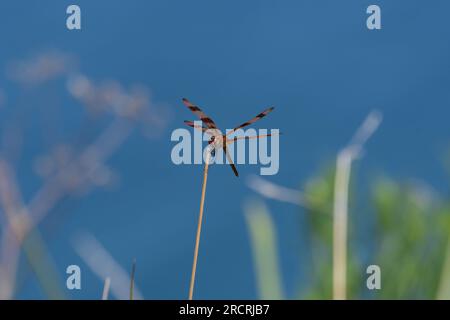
[200, 114]
[196, 126]
[249, 137]
[253, 120]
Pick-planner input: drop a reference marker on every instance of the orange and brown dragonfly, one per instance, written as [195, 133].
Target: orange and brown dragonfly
[219, 140]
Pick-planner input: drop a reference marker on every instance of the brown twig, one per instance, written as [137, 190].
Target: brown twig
[199, 227]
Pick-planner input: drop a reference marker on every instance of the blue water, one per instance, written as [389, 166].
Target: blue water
[314, 60]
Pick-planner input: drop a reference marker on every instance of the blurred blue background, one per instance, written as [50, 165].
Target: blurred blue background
[314, 60]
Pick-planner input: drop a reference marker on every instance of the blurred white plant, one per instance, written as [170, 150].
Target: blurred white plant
[110, 96]
[274, 191]
[101, 262]
[66, 168]
[345, 157]
[40, 68]
[74, 174]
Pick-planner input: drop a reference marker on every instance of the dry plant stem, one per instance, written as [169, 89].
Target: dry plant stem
[50, 193]
[16, 232]
[11, 204]
[340, 205]
[199, 227]
[443, 292]
[92, 156]
[274, 191]
[103, 265]
[133, 271]
[105, 293]
[340, 212]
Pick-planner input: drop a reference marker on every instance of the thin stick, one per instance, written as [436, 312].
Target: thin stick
[103, 265]
[340, 205]
[199, 227]
[133, 271]
[443, 292]
[341, 186]
[105, 293]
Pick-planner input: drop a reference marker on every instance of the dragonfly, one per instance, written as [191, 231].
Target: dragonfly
[218, 140]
